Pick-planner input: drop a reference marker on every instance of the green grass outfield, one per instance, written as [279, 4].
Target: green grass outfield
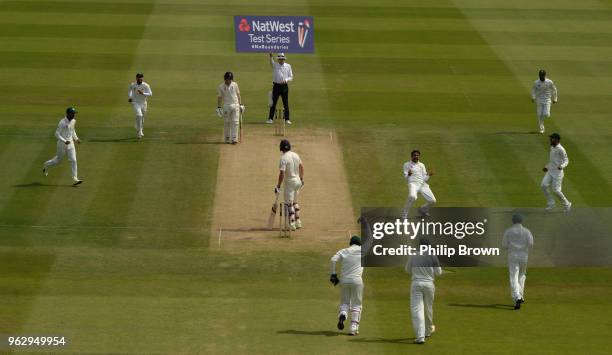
[122, 263]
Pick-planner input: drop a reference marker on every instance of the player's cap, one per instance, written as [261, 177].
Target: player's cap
[355, 240]
[542, 72]
[555, 136]
[139, 75]
[517, 218]
[71, 110]
[280, 56]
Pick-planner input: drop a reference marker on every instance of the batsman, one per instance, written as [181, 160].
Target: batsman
[229, 107]
[291, 173]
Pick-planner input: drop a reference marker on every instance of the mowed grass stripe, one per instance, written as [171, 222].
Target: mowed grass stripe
[320, 10]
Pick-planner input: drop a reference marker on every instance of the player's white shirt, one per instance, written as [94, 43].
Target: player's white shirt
[424, 267]
[518, 240]
[351, 268]
[558, 158]
[544, 92]
[290, 164]
[229, 93]
[419, 172]
[65, 130]
[281, 73]
[135, 96]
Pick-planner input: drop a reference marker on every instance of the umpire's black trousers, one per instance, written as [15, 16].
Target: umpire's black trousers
[281, 90]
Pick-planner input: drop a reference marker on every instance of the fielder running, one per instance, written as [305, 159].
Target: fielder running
[553, 178]
[416, 175]
[137, 95]
[424, 268]
[543, 93]
[351, 284]
[66, 137]
[229, 107]
[292, 174]
[517, 240]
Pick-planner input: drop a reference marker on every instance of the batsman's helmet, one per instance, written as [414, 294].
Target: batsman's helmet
[139, 75]
[355, 240]
[228, 76]
[517, 218]
[285, 146]
[71, 110]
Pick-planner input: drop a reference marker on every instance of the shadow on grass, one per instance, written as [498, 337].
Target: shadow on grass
[383, 340]
[493, 306]
[114, 140]
[38, 184]
[326, 333]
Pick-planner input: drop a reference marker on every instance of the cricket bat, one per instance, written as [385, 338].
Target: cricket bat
[273, 212]
[240, 127]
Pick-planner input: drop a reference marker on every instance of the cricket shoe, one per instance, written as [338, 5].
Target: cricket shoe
[550, 207]
[298, 224]
[419, 341]
[45, 172]
[341, 320]
[293, 226]
[287, 121]
[517, 305]
[424, 212]
[270, 121]
[567, 207]
[354, 329]
[77, 182]
[433, 330]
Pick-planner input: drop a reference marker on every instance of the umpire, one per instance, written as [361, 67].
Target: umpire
[281, 76]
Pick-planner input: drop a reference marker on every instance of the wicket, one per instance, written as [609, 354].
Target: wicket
[284, 229]
[279, 122]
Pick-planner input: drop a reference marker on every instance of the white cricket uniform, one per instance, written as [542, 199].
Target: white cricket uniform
[139, 103]
[554, 176]
[543, 93]
[517, 240]
[424, 269]
[351, 282]
[65, 132]
[290, 165]
[417, 182]
[231, 110]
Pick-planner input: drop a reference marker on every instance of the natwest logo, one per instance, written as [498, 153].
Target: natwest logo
[244, 26]
[273, 26]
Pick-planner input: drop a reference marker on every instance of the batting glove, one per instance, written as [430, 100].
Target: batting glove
[334, 279]
[219, 112]
[242, 108]
[276, 190]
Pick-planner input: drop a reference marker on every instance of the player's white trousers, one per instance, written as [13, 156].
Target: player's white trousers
[517, 270]
[351, 294]
[421, 307]
[140, 109]
[292, 190]
[543, 111]
[64, 150]
[554, 183]
[230, 122]
[413, 190]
